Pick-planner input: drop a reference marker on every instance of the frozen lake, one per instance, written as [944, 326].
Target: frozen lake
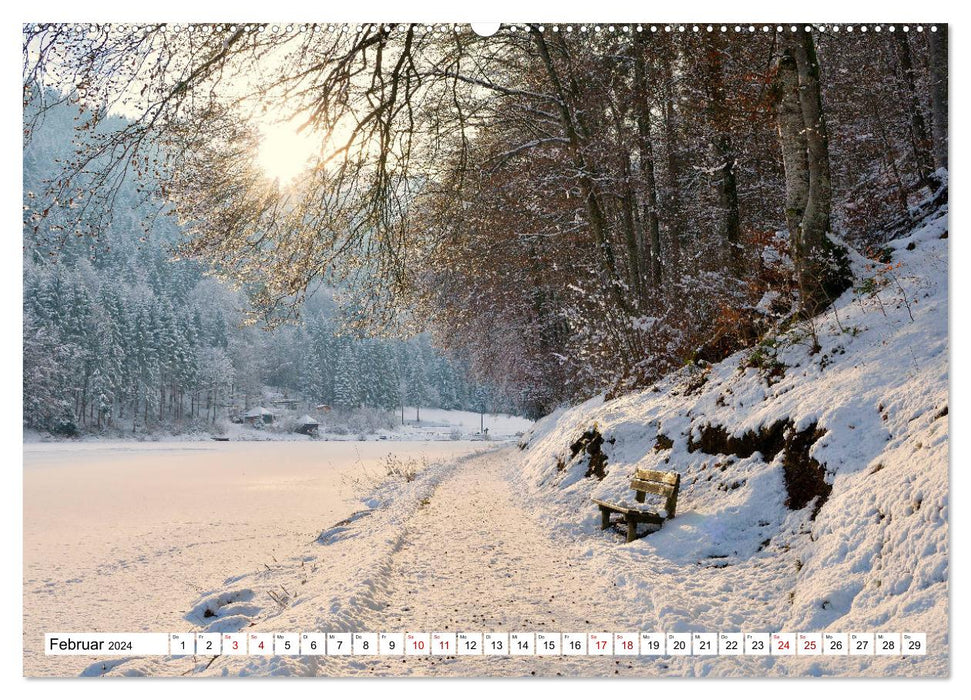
[124, 536]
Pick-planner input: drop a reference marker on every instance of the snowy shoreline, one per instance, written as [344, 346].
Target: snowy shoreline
[436, 425]
[127, 536]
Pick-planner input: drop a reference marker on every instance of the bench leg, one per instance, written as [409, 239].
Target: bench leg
[631, 527]
[604, 518]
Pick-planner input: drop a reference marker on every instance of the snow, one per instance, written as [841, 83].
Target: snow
[265, 537]
[736, 558]
[435, 424]
[433, 420]
[452, 550]
[125, 536]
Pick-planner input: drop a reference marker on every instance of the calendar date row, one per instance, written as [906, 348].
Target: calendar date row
[491, 644]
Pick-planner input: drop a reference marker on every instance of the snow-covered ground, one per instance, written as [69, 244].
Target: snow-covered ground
[456, 549]
[855, 540]
[125, 536]
[434, 424]
[439, 423]
[867, 412]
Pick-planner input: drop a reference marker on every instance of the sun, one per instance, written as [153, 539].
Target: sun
[283, 153]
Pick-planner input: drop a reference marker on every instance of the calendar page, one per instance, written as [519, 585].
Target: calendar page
[419, 349]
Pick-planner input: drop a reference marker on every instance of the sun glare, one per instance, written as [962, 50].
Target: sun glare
[283, 153]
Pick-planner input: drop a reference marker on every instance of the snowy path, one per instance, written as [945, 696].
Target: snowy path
[476, 560]
[126, 536]
[456, 549]
[475, 544]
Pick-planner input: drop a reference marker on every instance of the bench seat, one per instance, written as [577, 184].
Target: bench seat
[663, 484]
[642, 509]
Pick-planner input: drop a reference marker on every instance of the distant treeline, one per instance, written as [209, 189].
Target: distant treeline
[119, 334]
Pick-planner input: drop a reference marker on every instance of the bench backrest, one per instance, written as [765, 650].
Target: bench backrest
[663, 484]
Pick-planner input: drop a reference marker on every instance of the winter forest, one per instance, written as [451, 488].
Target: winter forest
[562, 211]
[629, 329]
[118, 333]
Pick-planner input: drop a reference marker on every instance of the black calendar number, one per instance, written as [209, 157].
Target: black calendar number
[913, 645]
[731, 645]
[679, 645]
[471, 645]
[497, 645]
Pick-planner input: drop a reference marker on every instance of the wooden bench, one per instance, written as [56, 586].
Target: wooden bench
[645, 481]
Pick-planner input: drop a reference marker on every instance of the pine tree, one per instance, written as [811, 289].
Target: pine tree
[347, 387]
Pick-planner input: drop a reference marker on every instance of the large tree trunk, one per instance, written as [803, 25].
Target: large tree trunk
[792, 135]
[919, 142]
[938, 71]
[633, 228]
[646, 160]
[820, 265]
[672, 198]
[722, 153]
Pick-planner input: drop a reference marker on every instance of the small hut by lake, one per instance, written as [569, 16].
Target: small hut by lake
[307, 425]
[258, 416]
